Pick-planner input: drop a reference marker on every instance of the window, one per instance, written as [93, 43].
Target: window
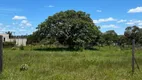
[4, 39]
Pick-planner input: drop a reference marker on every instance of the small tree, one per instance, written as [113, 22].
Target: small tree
[122, 41]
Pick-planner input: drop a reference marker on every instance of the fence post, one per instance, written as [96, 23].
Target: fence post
[133, 55]
[1, 52]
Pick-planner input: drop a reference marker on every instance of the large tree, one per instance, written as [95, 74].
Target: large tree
[72, 28]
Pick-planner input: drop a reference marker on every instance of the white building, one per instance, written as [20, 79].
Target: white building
[19, 41]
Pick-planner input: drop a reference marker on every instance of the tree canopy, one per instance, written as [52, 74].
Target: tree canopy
[75, 29]
[110, 36]
[72, 28]
[134, 32]
[10, 34]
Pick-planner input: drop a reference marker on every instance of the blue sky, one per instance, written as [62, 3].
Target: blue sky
[23, 16]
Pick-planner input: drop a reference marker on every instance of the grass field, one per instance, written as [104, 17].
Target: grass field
[103, 64]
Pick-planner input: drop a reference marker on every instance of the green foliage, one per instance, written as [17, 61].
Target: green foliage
[109, 37]
[24, 67]
[13, 48]
[71, 28]
[8, 44]
[21, 47]
[32, 39]
[133, 32]
[47, 41]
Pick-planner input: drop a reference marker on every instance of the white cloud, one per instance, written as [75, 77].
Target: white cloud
[98, 10]
[135, 22]
[135, 10]
[140, 24]
[19, 28]
[104, 20]
[50, 6]
[22, 30]
[109, 26]
[121, 21]
[4, 26]
[15, 23]
[19, 18]
[6, 29]
[8, 26]
[25, 23]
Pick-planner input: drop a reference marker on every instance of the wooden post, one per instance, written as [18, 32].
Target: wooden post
[133, 56]
[1, 52]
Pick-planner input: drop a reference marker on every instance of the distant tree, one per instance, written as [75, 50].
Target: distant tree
[122, 41]
[10, 34]
[140, 36]
[32, 39]
[110, 37]
[101, 40]
[73, 28]
[133, 32]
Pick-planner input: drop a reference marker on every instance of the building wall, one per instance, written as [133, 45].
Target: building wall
[5, 37]
[19, 41]
[11, 40]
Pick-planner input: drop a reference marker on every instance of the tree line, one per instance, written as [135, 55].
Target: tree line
[75, 29]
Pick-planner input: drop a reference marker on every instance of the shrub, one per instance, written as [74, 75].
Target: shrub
[13, 48]
[21, 47]
[24, 67]
[8, 44]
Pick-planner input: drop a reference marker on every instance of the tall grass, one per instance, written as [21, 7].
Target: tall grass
[107, 63]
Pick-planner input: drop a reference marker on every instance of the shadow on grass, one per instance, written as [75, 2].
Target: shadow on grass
[62, 49]
[54, 49]
[92, 49]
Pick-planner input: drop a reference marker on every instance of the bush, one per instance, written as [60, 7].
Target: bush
[24, 67]
[21, 47]
[8, 44]
[13, 48]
